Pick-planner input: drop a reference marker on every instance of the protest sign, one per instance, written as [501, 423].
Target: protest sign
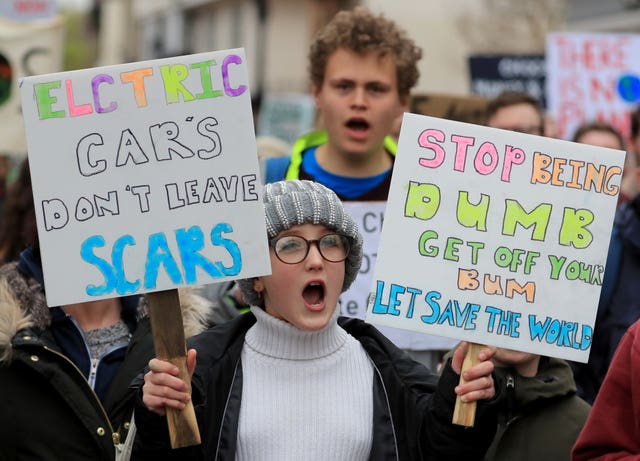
[369, 217]
[145, 176]
[28, 48]
[592, 76]
[28, 10]
[495, 237]
[491, 74]
[353, 302]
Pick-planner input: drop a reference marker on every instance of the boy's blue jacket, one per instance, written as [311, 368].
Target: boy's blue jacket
[279, 168]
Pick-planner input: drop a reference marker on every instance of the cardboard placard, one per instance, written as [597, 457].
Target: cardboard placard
[495, 237]
[145, 176]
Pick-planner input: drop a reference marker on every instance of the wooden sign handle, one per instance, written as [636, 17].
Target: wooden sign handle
[464, 413]
[170, 345]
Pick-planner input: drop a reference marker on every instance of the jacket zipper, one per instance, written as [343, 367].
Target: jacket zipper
[94, 362]
[511, 387]
[386, 398]
[93, 371]
[114, 435]
[226, 406]
[503, 420]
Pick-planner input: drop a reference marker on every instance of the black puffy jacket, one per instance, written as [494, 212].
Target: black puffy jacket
[48, 409]
[412, 409]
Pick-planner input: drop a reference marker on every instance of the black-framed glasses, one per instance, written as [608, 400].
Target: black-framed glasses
[292, 249]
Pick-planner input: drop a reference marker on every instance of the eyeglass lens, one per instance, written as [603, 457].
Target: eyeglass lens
[293, 249]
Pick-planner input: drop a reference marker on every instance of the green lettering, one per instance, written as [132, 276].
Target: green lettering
[44, 100]
[573, 230]
[538, 218]
[473, 215]
[205, 80]
[423, 249]
[172, 76]
[422, 201]
[451, 250]
[556, 266]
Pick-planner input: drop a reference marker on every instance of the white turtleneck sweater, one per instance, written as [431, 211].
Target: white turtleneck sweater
[306, 395]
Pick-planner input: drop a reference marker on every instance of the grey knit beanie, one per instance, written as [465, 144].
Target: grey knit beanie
[294, 202]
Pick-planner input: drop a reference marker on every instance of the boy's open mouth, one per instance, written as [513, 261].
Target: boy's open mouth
[313, 294]
[357, 124]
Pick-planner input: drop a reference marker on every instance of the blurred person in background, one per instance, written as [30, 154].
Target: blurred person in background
[271, 146]
[603, 134]
[540, 415]
[633, 153]
[65, 371]
[18, 223]
[599, 134]
[362, 68]
[4, 172]
[619, 304]
[515, 111]
[612, 430]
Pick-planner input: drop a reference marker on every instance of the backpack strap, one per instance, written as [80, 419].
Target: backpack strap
[275, 168]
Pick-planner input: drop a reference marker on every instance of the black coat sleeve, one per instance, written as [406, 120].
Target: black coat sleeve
[152, 441]
[443, 440]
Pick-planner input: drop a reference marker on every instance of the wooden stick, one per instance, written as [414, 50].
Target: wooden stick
[464, 413]
[170, 345]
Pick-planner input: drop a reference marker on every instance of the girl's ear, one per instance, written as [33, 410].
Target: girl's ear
[258, 285]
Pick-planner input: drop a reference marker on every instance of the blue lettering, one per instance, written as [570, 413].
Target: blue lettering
[190, 242]
[390, 309]
[537, 330]
[493, 313]
[158, 253]
[396, 290]
[587, 336]
[447, 315]
[470, 324]
[553, 331]
[432, 300]
[413, 292]
[230, 246]
[565, 333]
[86, 252]
[561, 332]
[123, 286]
[378, 306]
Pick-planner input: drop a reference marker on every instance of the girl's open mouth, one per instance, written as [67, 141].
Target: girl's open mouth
[313, 294]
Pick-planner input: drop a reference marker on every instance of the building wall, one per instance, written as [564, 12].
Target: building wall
[448, 32]
[223, 25]
[276, 50]
[288, 35]
[431, 24]
[603, 16]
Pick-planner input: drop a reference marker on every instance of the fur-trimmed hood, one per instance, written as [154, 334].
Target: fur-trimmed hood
[23, 305]
[12, 320]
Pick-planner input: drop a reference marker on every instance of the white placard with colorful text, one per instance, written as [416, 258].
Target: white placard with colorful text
[495, 237]
[145, 176]
[592, 76]
[353, 303]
